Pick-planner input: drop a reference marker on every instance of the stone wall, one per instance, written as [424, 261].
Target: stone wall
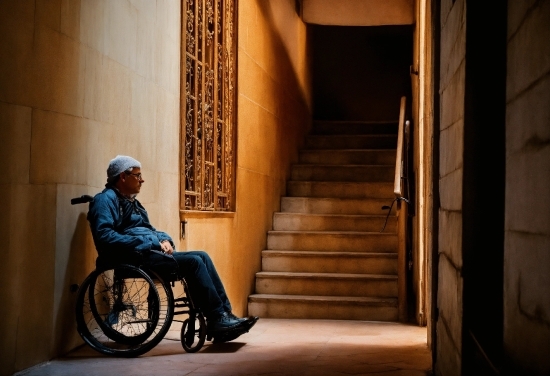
[83, 81]
[451, 146]
[526, 276]
[527, 227]
[80, 82]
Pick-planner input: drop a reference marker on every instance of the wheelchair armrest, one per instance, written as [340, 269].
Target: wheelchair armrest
[82, 199]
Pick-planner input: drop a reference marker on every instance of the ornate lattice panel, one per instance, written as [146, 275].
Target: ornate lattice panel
[209, 104]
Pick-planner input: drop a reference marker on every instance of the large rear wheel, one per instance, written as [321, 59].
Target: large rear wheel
[124, 311]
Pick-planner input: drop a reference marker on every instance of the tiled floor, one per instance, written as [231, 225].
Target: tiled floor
[273, 347]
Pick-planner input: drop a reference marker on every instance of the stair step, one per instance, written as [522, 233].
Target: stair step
[341, 189]
[326, 257]
[327, 284]
[330, 241]
[322, 307]
[372, 173]
[332, 222]
[354, 127]
[378, 141]
[329, 262]
[315, 205]
[346, 157]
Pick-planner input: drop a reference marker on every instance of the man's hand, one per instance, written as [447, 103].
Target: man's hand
[166, 247]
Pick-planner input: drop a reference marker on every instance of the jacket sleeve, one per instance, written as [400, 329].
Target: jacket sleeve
[162, 236]
[102, 215]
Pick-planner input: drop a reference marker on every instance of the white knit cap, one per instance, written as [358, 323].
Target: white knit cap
[119, 164]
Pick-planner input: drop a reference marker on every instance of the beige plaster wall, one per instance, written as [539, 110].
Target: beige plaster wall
[450, 283]
[274, 113]
[80, 81]
[527, 223]
[358, 12]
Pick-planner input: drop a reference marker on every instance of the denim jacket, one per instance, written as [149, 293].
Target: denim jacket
[121, 229]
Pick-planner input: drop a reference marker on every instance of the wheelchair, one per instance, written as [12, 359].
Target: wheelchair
[126, 310]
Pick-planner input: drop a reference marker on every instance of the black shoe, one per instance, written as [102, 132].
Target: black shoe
[230, 335]
[236, 332]
[251, 320]
[222, 323]
[231, 315]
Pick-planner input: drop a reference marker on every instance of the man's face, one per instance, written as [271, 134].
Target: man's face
[130, 183]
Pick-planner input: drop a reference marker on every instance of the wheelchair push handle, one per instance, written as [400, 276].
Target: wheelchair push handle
[81, 200]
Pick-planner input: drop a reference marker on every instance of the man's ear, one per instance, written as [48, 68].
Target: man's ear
[122, 177]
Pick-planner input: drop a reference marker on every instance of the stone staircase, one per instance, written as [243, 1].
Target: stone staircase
[326, 257]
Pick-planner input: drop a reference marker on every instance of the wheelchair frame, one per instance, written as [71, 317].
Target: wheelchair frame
[125, 310]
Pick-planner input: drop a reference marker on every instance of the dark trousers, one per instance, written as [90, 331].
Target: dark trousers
[205, 285]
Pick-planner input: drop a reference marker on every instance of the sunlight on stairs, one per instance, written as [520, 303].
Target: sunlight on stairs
[326, 257]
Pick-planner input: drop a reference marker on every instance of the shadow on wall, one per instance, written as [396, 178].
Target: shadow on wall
[294, 100]
[79, 264]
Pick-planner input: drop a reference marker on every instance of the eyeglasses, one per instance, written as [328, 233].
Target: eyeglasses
[138, 176]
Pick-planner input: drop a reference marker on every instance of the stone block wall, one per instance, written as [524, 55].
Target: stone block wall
[527, 225]
[83, 81]
[80, 82]
[526, 275]
[451, 146]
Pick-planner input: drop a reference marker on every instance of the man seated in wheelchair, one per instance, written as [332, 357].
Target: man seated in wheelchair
[123, 234]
